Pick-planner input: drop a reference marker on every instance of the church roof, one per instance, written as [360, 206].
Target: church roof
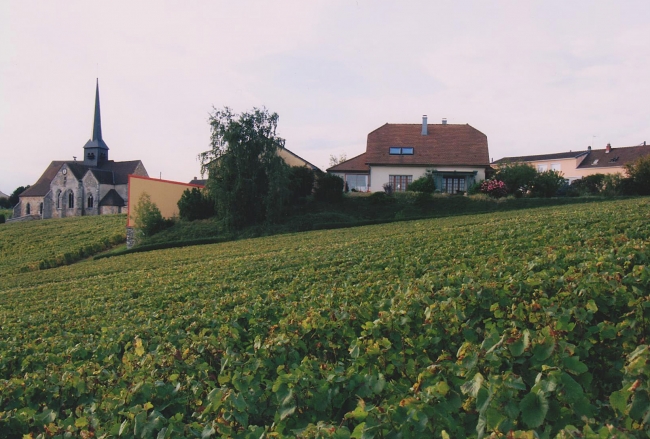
[112, 198]
[96, 141]
[42, 186]
[110, 172]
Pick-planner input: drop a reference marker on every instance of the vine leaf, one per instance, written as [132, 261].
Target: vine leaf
[534, 407]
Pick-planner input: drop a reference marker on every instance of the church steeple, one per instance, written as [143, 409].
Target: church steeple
[96, 150]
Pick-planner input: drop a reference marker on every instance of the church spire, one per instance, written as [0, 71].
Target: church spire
[97, 124]
[96, 150]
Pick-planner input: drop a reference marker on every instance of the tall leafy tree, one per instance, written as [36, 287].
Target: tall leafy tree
[639, 172]
[247, 179]
[516, 176]
[13, 198]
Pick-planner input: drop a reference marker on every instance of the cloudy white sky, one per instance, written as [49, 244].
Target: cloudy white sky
[534, 76]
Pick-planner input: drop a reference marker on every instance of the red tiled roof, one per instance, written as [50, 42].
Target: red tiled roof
[355, 164]
[617, 157]
[445, 144]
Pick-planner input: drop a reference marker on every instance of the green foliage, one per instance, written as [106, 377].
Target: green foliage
[147, 217]
[301, 182]
[23, 248]
[527, 324]
[195, 205]
[546, 184]
[2, 218]
[247, 179]
[639, 172]
[474, 188]
[329, 188]
[588, 185]
[518, 177]
[425, 184]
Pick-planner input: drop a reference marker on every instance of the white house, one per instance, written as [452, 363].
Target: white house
[398, 154]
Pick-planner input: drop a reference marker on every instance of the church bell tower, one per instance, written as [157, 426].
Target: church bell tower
[96, 150]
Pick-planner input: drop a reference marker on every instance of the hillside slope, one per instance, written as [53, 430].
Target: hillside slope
[533, 320]
[34, 245]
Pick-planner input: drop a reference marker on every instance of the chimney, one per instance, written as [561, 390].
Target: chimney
[425, 131]
[608, 148]
[444, 121]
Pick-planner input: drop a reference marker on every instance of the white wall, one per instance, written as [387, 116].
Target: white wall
[379, 174]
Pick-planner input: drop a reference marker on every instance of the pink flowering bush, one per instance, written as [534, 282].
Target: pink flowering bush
[494, 188]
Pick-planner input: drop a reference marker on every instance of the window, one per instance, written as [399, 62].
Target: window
[70, 200]
[28, 209]
[556, 167]
[400, 182]
[90, 200]
[542, 168]
[453, 185]
[357, 182]
[40, 209]
[58, 199]
[396, 150]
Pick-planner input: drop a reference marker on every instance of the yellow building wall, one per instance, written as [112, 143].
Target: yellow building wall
[291, 159]
[165, 194]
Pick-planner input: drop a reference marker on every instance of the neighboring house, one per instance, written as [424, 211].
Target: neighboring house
[577, 164]
[398, 154]
[94, 186]
[289, 158]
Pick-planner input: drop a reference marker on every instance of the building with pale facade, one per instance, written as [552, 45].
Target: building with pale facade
[577, 164]
[398, 154]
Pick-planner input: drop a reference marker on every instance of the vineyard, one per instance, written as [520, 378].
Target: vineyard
[37, 245]
[521, 324]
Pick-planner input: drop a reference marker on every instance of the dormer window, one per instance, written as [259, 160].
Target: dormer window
[613, 159]
[399, 150]
[595, 162]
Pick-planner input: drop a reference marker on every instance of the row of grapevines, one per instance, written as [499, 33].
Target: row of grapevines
[527, 324]
[35, 245]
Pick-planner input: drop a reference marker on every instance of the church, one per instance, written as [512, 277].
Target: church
[94, 186]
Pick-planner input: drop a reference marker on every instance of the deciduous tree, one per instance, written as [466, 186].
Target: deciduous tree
[247, 180]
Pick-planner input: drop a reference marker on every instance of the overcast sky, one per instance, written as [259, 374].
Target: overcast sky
[534, 76]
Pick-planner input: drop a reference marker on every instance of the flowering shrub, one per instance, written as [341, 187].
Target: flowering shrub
[494, 188]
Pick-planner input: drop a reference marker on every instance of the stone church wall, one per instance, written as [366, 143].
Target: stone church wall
[91, 187]
[66, 183]
[48, 206]
[34, 205]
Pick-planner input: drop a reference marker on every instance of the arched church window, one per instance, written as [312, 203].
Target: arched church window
[40, 209]
[58, 199]
[90, 200]
[70, 200]
[28, 209]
